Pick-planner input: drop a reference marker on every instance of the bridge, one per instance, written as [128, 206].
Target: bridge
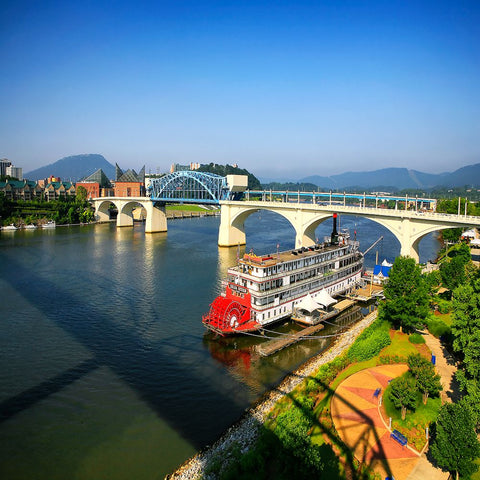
[199, 188]
[408, 226]
[410, 220]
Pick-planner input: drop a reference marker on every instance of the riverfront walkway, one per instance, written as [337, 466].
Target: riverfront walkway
[356, 415]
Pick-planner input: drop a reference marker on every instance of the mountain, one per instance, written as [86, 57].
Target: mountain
[398, 178]
[73, 168]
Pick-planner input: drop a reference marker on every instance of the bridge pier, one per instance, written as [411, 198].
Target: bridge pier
[156, 218]
[231, 232]
[124, 217]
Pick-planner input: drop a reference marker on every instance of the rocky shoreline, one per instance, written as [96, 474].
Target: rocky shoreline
[245, 431]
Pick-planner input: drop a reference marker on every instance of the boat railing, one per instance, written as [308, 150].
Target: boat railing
[305, 281]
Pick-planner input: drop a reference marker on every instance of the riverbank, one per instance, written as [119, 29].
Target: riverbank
[246, 430]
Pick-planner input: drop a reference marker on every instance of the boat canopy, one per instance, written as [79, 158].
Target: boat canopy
[308, 303]
[325, 299]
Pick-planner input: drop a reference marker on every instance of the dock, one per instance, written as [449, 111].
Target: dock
[274, 346]
[365, 294]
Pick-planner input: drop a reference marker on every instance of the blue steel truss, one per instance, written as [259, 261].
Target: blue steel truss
[188, 187]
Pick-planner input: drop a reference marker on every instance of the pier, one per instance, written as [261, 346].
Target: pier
[274, 346]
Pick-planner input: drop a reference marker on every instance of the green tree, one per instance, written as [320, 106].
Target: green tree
[466, 327]
[416, 363]
[406, 299]
[455, 446]
[428, 382]
[81, 194]
[403, 394]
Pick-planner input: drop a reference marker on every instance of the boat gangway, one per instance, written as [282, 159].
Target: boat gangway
[274, 346]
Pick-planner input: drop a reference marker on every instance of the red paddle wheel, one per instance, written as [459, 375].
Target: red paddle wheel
[230, 314]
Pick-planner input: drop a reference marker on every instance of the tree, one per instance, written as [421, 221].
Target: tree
[416, 362]
[428, 382]
[466, 327]
[455, 445]
[406, 304]
[455, 267]
[81, 194]
[403, 394]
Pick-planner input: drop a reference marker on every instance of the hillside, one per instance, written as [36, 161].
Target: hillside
[398, 178]
[223, 170]
[73, 168]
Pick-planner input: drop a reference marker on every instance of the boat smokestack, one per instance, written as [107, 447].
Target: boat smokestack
[334, 237]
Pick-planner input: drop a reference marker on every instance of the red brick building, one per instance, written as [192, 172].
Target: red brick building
[129, 183]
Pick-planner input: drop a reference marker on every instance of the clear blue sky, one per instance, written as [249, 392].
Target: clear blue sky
[283, 88]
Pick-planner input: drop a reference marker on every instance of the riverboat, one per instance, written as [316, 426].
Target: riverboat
[262, 290]
[49, 224]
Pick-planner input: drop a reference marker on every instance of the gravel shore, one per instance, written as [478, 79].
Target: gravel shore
[244, 432]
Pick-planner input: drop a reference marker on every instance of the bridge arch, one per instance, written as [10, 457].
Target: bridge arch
[232, 224]
[156, 220]
[189, 186]
[408, 227]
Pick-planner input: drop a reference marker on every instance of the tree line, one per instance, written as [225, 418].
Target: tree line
[67, 210]
[409, 297]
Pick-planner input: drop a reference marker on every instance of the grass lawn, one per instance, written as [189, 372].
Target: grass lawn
[187, 208]
[400, 345]
[476, 475]
[445, 318]
[413, 427]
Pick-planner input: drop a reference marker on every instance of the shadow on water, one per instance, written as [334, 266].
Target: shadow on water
[125, 353]
[28, 398]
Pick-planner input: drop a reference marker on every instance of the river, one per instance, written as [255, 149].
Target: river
[105, 368]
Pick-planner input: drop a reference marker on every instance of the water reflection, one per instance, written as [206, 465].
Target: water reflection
[240, 355]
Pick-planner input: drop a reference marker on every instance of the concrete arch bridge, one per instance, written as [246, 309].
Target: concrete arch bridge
[409, 227]
[200, 188]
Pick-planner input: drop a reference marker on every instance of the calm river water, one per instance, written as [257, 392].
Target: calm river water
[105, 368]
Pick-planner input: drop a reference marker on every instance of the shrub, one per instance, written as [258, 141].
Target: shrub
[370, 342]
[416, 338]
[438, 328]
[389, 359]
[326, 374]
[444, 306]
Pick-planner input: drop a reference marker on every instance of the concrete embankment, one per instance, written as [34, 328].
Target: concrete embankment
[246, 430]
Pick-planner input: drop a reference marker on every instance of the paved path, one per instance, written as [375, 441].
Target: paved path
[445, 367]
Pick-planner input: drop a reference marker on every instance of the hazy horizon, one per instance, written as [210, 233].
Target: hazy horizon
[285, 89]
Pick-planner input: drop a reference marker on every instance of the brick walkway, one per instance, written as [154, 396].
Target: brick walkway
[356, 416]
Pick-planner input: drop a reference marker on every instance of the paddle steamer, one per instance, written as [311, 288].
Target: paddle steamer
[262, 290]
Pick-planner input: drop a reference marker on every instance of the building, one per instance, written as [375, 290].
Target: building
[176, 167]
[4, 163]
[129, 183]
[381, 272]
[14, 172]
[57, 190]
[45, 181]
[97, 185]
[21, 190]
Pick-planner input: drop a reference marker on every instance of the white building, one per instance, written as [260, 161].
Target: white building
[15, 172]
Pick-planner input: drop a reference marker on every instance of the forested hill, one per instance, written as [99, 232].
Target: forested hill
[73, 168]
[399, 178]
[223, 170]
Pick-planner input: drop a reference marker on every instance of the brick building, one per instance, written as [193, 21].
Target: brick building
[129, 183]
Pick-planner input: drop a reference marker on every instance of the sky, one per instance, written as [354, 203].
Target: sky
[285, 89]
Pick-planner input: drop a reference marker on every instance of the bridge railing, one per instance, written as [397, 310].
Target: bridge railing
[371, 210]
